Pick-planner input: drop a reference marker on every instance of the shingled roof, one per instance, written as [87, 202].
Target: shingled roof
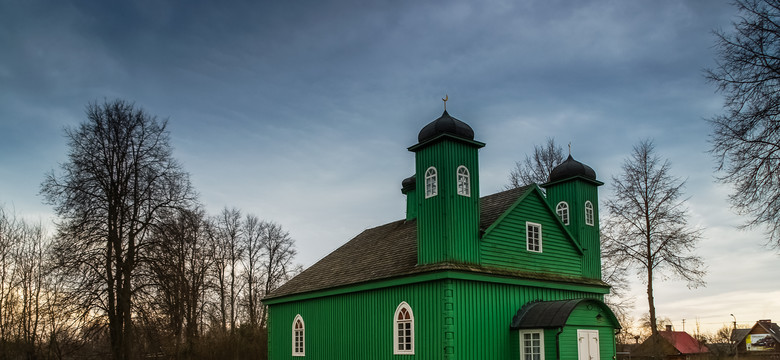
[684, 342]
[389, 251]
[669, 342]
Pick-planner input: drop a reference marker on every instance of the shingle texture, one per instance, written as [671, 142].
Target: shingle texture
[771, 328]
[389, 251]
[684, 342]
[738, 335]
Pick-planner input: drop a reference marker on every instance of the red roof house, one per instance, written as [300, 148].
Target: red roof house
[671, 345]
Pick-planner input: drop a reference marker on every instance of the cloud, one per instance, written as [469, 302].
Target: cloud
[301, 112]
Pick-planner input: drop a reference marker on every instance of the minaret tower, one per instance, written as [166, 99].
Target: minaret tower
[447, 192]
[573, 189]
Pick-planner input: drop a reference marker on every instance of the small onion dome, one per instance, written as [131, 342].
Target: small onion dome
[408, 184]
[446, 124]
[571, 168]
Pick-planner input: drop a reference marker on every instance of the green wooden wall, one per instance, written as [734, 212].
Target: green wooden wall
[576, 192]
[359, 325]
[505, 244]
[454, 319]
[448, 223]
[585, 317]
[485, 314]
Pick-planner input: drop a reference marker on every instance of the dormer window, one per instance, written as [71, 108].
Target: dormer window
[464, 182]
[563, 212]
[431, 182]
[588, 213]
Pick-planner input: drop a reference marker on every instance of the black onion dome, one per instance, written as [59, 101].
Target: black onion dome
[408, 183]
[446, 124]
[571, 168]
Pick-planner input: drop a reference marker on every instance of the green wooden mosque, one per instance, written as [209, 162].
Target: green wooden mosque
[513, 275]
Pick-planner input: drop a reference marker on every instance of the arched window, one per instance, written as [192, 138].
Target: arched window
[431, 185]
[563, 212]
[298, 337]
[589, 213]
[403, 339]
[464, 182]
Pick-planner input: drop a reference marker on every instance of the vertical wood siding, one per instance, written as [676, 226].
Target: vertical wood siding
[453, 319]
[448, 223]
[505, 245]
[586, 317]
[485, 312]
[359, 325]
[411, 204]
[576, 193]
[590, 236]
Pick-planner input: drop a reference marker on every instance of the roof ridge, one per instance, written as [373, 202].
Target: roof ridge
[382, 251]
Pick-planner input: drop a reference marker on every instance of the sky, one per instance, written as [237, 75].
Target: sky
[300, 112]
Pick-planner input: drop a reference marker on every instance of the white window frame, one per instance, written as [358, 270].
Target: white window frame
[397, 338]
[298, 350]
[431, 182]
[562, 209]
[523, 354]
[528, 239]
[589, 213]
[463, 181]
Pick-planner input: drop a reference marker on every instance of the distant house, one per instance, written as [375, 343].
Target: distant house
[760, 341]
[671, 345]
[512, 275]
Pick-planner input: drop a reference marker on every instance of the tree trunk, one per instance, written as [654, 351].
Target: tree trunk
[651, 302]
[114, 323]
[126, 302]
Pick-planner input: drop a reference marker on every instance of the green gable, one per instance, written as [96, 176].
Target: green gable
[504, 242]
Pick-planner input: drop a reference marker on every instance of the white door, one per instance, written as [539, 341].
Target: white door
[588, 344]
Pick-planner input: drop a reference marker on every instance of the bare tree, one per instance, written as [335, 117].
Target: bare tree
[23, 283]
[179, 266]
[614, 271]
[536, 168]
[279, 251]
[9, 229]
[29, 258]
[63, 320]
[119, 175]
[254, 229]
[723, 336]
[647, 225]
[746, 138]
[227, 233]
[646, 326]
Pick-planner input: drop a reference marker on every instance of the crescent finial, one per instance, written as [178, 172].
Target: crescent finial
[445, 98]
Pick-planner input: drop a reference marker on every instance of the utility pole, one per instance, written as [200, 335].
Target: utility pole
[733, 336]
